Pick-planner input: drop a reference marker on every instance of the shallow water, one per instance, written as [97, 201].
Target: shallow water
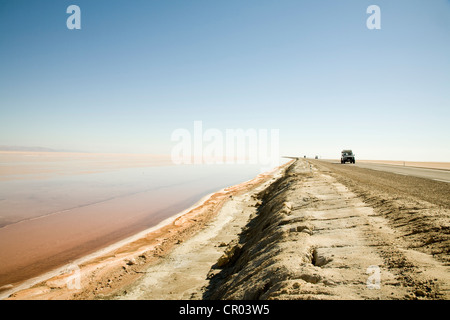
[47, 222]
[31, 198]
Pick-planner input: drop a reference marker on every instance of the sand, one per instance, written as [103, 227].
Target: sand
[183, 273]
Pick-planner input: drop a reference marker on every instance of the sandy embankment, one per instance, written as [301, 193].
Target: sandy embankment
[106, 272]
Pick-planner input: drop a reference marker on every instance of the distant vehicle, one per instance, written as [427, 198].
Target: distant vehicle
[316, 157]
[347, 156]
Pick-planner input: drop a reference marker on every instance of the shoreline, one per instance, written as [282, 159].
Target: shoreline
[101, 252]
[146, 246]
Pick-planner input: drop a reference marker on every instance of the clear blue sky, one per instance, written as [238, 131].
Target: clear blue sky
[138, 70]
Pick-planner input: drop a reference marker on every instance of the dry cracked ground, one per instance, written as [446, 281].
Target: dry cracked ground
[331, 231]
[319, 231]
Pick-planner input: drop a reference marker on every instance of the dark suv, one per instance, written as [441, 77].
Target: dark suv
[347, 156]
